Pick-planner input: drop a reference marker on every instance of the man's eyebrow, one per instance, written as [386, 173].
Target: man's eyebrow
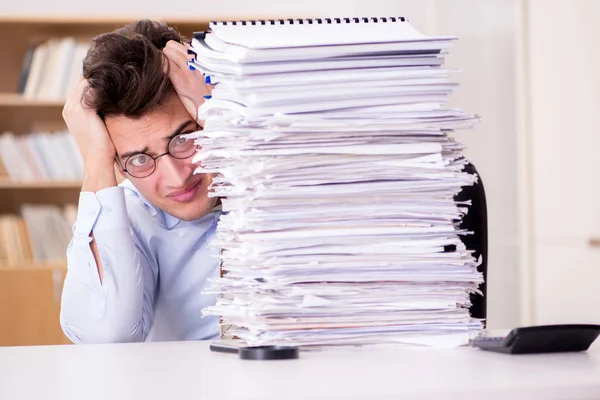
[130, 153]
[180, 129]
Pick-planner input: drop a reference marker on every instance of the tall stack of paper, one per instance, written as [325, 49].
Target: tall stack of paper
[329, 141]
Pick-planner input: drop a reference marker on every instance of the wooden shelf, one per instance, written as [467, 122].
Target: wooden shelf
[15, 194]
[31, 265]
[78, 20]
[17, 100]
[20, 116]
[7, 184]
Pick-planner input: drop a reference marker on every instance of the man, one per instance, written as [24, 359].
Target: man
[140, 255]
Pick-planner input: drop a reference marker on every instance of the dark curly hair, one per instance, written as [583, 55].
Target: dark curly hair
[127, 71]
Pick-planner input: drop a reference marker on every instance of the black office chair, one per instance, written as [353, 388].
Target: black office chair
[476, 221]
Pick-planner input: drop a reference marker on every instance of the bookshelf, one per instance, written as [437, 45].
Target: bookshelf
[29, 290]
[55, 184]
[15, 100]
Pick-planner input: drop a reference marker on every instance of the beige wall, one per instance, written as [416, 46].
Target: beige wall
[563, 69]
[486, 52]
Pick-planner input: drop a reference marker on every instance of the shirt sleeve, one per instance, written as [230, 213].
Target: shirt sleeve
[120, 308]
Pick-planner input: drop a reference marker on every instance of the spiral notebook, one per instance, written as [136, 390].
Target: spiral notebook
[255, 41]
[267, 34]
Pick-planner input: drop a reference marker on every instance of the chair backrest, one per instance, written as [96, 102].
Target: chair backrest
[476, 222]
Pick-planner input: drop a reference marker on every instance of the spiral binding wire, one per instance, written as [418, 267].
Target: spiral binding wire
[312, 21]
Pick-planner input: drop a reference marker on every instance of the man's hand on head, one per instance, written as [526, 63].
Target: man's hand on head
[190, 86]
[86, 126]
[95, 145]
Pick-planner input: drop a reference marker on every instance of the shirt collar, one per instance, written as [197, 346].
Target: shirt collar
[167, 221]
[170, 221]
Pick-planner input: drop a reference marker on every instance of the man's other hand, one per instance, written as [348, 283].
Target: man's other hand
[189, 85]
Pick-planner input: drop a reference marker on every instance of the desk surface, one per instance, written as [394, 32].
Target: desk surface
[189, 370]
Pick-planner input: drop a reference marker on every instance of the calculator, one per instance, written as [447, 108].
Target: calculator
[541, 339]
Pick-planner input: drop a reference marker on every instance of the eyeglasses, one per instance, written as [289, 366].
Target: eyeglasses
[142, 165]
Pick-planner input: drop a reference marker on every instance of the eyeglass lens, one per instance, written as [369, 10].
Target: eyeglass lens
[142, 165]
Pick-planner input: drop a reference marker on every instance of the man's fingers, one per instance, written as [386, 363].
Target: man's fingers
[75, 97]
[175, 72]
[78, 89]
[179, 58]
[186, 81]
[178, 46]
[207, 88]
[189, 85]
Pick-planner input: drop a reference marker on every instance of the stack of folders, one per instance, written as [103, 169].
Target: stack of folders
[329, 144]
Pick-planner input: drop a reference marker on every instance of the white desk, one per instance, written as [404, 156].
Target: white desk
[190, 370]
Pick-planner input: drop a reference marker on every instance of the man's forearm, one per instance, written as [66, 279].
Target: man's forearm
[98, 174]
[118, 308]
[110, 311]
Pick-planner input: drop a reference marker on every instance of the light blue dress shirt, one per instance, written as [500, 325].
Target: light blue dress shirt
[155, 270]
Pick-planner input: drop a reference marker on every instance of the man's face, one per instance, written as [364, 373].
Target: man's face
[172, 187]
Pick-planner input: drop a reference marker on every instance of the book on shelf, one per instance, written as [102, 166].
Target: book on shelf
[51, 68]
[40, 156]
[3, 173]
[40, 234]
